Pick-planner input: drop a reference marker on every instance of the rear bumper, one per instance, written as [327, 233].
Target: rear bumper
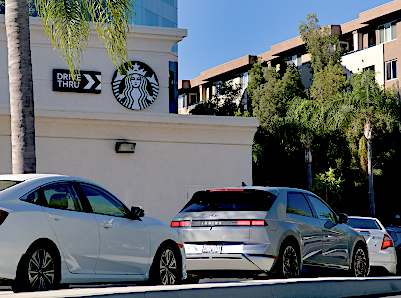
[196, 262]
[384, 258]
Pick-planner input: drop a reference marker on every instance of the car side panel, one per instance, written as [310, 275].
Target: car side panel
[17, 234]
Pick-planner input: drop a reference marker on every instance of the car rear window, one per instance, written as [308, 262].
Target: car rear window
[4, 184]
[230, 200]
[363, 223]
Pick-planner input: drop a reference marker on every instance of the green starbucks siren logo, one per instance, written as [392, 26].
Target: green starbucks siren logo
[138, 89]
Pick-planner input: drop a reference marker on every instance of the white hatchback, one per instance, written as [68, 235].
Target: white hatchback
[380, 245]
[57, 230]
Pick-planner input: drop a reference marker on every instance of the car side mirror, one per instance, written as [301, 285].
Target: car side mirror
[137, 211]
[342, 218]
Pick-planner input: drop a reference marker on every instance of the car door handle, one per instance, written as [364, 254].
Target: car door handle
[106, 224]
[55, 216]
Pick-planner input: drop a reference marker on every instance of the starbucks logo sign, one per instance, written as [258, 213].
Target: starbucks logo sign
[137, 89]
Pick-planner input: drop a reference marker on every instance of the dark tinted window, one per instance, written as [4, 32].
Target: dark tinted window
[363, 223]
[238, 200]
[59, 195]
[322, 210]
[102, 202]
[4, 184]
[297, 204]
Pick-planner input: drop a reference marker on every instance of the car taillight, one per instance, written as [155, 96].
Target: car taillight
[253, 222]
[387, 242]
[176, 224]
[243, 222]
[3, 216]
[184, 223]
[258, 222]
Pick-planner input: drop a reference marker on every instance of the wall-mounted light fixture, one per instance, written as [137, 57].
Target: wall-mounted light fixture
[125, 147]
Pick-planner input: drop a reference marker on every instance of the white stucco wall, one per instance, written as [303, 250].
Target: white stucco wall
[76, 133]
[357, 61]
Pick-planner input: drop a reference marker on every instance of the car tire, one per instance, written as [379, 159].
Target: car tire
[166, 267]
[360, 262]
[38, 270]
[288, 262]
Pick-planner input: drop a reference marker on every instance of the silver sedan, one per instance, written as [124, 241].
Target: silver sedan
[59, 230]
[380, 245]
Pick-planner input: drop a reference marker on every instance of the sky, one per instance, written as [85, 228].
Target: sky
[220, 31]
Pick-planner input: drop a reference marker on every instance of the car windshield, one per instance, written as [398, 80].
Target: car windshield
[4, 184]
[363, 223]
[230, 200]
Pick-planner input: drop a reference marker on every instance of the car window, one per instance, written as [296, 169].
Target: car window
[363, 223]
[230, 200]
[297, 204]
[322, 210]
[58, 195]
[4, 184]
[102, 202]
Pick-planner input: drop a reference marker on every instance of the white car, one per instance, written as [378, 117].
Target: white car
[57, 230]
[380, 245]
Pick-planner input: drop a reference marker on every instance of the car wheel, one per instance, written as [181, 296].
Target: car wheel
[165, 269]
[360, 263]
[288, 262]
[37, 271]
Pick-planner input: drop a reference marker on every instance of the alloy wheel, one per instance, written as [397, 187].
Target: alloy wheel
[360, 263]
[41, 270]
[290, 262]
[168, 267]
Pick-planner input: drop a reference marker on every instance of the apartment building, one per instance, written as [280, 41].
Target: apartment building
[373, 41]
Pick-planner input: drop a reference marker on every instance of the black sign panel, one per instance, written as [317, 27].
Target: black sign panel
[85, 82]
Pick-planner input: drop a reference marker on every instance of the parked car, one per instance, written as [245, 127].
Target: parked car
[394, 230]
[57, 230]
[259, 231]
[380, 245]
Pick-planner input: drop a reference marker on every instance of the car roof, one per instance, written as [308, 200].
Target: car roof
[29, 182]
[25, 177]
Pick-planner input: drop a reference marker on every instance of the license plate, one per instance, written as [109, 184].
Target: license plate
[211, 249]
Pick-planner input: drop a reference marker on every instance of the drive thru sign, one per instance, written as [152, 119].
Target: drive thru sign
[84, 82]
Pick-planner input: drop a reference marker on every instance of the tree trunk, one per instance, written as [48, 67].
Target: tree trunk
[308, 160]
[21, 87]
[370, 177]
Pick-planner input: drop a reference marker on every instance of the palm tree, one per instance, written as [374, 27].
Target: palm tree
[21, 87]
[356, 113]
[68, 25]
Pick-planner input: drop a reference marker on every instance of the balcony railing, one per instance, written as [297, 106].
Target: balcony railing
[351, 52]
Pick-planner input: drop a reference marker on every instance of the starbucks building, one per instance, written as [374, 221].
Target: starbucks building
[118, 130]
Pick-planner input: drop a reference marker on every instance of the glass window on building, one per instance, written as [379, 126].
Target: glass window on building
[387, 32]
[181, 101]
[391, 70]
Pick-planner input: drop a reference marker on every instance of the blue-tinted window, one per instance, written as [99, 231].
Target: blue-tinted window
[167, 23]
[171, 2]
[151, 19]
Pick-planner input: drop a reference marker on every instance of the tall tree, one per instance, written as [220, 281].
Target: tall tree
[21, 87]
[67, 24]
[328, 80]
[367, 105]
[275, 148]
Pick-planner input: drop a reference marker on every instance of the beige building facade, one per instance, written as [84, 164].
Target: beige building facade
[373, 41]
[76, 133]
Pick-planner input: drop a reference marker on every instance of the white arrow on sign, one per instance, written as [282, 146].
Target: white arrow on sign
[99, 87]
[90, 81]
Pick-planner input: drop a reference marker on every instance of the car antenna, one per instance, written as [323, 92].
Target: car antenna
[243, 183]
